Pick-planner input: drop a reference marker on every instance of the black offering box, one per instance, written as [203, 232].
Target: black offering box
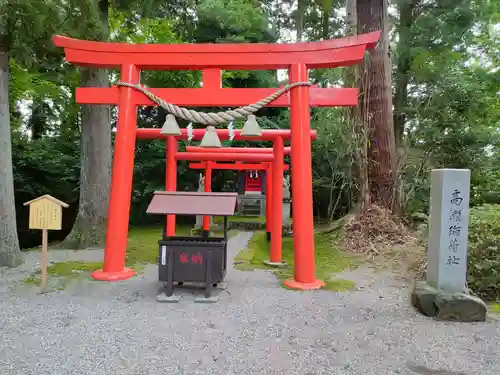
[194, 259]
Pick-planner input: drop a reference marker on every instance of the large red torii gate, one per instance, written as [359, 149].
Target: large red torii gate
[212, 59]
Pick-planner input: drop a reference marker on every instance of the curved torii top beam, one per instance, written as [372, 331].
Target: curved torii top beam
[245, 56]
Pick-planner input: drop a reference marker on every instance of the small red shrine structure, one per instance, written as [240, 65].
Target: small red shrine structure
[253, 182]
[212, 59]
[250, 181]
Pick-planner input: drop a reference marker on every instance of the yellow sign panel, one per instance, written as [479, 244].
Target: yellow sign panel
[45, 213]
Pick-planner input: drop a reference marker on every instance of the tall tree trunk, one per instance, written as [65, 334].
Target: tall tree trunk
[376, 104]
[402, 68]
[325, 21]
[299, 19]
[38, 119]
[96, 155]
[354, 116]
[10, 254]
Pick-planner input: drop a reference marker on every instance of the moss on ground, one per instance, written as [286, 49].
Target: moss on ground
[142, 249]
[243, 219]
[142, 245]
[240, 219]
[62, 273]
[329, 260]
[495, 307]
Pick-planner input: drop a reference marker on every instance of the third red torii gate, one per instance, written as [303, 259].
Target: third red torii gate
[274, 202]
[212, 59]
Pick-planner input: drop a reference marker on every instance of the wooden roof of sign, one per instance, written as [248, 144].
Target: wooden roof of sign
[192, 203]
[50, 198]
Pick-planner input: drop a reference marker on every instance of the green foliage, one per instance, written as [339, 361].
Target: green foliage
[484, 251]
[451, 112]
[37, 164]
[487, 180]
[333, 158]
[49, 165]
[232, 21]
[456, 127]
[144, 30]
[329, 260]
[26, 27]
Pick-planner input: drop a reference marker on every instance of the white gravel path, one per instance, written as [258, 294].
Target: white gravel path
[256, 328]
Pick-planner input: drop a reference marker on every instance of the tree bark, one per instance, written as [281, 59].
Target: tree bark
[299, 19]
[376, 104]
[96, 156]
[402, 68]
[361, 191]
[38, 119]
[10, 253]
[325, 21]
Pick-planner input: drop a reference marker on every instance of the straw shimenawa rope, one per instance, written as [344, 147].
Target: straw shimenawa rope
[212, 118]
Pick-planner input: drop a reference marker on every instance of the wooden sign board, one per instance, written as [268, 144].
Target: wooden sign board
[45, 213]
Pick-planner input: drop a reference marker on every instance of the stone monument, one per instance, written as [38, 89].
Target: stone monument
[444, 294]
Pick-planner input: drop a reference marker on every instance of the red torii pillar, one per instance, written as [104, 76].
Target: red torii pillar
[269, 194]
[171, 179]
[208, 188]
[297, 58]
[277, 201]
[302, 184]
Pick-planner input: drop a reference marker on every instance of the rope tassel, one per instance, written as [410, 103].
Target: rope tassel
[170, 127]
[251, 127]
[210, 139]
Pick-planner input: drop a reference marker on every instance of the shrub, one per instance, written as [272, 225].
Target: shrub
[484, 251]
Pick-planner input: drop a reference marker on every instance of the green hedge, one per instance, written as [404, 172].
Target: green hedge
[484, 251]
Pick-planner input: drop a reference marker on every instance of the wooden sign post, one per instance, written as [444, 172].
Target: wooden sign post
[45, 214]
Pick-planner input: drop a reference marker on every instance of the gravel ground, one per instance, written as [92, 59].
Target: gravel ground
[256, 328]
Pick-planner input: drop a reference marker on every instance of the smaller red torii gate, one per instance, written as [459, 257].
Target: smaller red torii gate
[274, 202]
[213, 154]
[211, 59]
[208, 157]
[270, 213]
